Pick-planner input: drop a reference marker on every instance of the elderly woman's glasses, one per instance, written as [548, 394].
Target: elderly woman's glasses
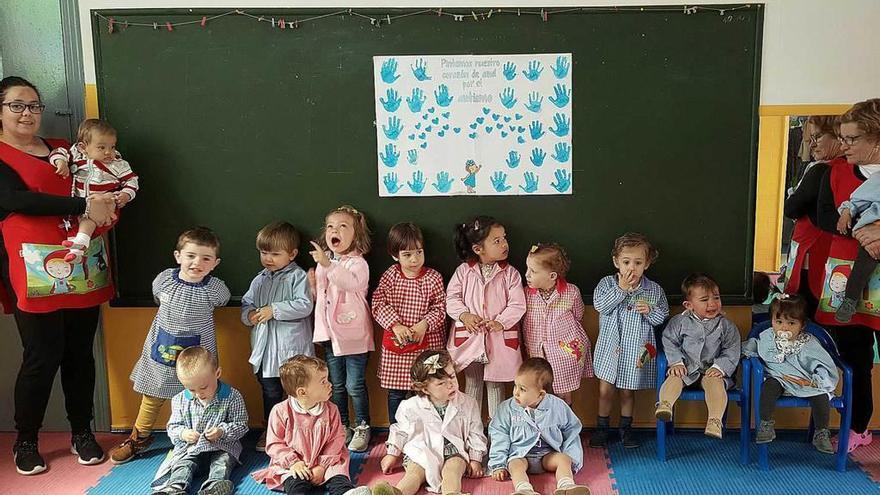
[18, 107]
[814, 138]
[849, 140]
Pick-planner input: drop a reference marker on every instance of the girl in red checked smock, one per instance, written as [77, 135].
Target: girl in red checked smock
[410, 305]
[552, 326]
[342, 316]
[485, 299]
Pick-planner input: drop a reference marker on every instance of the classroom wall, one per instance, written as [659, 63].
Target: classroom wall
[810, 50]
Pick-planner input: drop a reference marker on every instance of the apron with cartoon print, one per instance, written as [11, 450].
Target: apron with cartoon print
[38, 274]
[838, 266]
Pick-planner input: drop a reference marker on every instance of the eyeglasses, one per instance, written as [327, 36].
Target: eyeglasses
[814, 138]
[849, 140]
[18, 107]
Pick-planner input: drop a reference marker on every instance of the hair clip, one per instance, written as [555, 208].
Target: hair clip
[783, 296]
[534, 248]
[476, 225]
[432, 364]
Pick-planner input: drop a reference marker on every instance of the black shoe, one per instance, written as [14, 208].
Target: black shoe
[629, 438]
[349, 434]
[28, 460]
[86, 449]
[222, 487]
[599, 438]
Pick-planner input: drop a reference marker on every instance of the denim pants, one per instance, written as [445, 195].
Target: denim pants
[219, 465]
[395, 397]
[336, 485]
[347, 375]
[273, 393]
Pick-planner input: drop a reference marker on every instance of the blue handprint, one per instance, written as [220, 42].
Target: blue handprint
[536, 129]
[416, 101]
[563, 151]
[441, 94]
[389, 158]
[391, 184]
[392, 102]
[534, 72]
[512, 159]
[507, 98]
[389, 71]
[444, 183]
[538, 156]
[563, 96]
[420, 70]
[509, 71]
[535, 100]
[560, 70]
[412, 156]
[562, 122]
[418, 182]
[531, 182]
[499, 180]
[394, 128]
[563, 180]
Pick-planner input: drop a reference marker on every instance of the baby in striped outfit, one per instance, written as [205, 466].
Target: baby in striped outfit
[96, 167]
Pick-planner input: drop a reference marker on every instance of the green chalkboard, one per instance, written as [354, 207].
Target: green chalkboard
[235, 124]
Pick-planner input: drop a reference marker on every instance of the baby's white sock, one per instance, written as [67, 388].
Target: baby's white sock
[565, 483]
[82, 239]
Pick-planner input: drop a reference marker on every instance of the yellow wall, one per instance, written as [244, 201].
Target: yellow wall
[126, 328]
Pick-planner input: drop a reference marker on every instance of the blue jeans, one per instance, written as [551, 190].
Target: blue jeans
[347, 375]
[395, 397]
[219, 463]
[273, 393]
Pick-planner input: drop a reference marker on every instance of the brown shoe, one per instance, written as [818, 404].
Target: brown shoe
[714, 428]
[663, 411]
[131, 447]
[573, 490]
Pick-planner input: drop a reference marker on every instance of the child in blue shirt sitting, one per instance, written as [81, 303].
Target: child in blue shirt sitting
[536, 432]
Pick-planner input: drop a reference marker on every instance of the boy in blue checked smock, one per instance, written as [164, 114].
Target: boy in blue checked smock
[534, 432]
[207, 422]
[187, 297]
[629, 307]
[277, 307]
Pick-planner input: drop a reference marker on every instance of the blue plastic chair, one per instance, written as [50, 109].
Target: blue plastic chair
[739, 395]
[843, 403]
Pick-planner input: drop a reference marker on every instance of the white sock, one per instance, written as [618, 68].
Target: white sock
[524, 486]
[565, 483]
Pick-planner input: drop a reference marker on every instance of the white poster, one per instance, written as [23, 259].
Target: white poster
[474, 124]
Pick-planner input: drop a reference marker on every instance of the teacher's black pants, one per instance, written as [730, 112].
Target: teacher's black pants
[856, 346]
[62, 340]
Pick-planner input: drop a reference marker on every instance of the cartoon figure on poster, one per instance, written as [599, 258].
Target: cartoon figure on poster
[837, 284]
[509, 116]
[49, 274]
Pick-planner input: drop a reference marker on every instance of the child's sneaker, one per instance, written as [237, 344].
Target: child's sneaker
[714, 428]
[629, 438]
[360, 439]
[261, 443]
[663, 411]
[222, 487]
[846, 310]
[131, 447]
[856, 440]
[573, 490]
[86, 449]
[359, 490]
[822, 441]
[599, 438]
[766, 432]
[28, 460]
[383, 488]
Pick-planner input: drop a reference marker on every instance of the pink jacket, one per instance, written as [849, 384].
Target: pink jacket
[292, 437]
[500, 298]
[342, 314]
